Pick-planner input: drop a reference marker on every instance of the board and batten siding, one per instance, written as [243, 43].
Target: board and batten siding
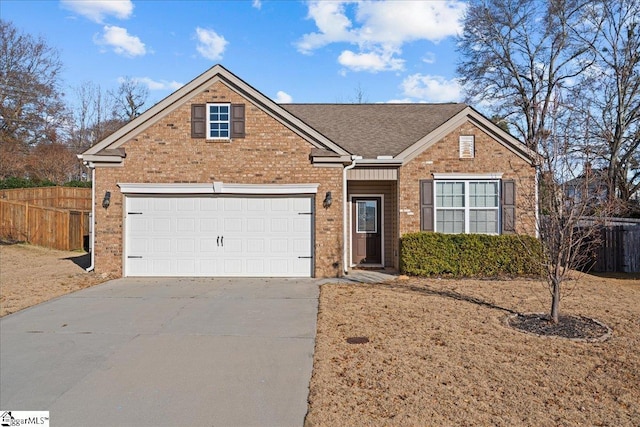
[388, 189]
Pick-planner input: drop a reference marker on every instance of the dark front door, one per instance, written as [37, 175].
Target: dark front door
[366, 230]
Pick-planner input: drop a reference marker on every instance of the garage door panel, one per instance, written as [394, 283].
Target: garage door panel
[218, 236]
[208, 245]
[255, 267]
[255, 225]
[160, 204]
[186, 225]
[232, 225]
[161, 225]
[186, 267]
[160, 246]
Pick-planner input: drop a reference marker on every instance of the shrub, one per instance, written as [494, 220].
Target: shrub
[76, 183]
[470, 255]
[14, 182]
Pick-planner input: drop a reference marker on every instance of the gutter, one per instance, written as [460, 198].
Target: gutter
[345, 231]
[92, 231]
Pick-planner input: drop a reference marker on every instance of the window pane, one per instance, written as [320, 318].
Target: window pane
[483, 194]
[450, 194]
[366, 211]
[485, 221]
[449, 221]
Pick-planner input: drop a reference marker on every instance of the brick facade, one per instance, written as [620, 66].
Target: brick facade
[443, 157]
[269, 154]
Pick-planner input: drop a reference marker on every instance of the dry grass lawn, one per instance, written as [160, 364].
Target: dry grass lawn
[30, 275]
[439, 355]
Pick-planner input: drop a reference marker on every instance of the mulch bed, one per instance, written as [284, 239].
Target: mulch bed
[571, 327]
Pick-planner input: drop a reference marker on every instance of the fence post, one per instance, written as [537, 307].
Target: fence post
[26, 222]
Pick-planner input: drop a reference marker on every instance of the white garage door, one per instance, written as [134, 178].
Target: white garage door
[218, 236]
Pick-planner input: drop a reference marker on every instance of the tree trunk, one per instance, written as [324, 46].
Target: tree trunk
[555, 302]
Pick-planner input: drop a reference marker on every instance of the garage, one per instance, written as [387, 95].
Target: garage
[252, 235]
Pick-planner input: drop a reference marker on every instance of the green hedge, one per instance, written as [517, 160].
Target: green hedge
[80, 184]
[469, 255]
[13, 182]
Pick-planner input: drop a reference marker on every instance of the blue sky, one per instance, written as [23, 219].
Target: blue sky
[291, 51]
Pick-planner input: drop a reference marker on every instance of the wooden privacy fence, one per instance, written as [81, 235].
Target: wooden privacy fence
[618, 249]
[54, 197]
[24, 217]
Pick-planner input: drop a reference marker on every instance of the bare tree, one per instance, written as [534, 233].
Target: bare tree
[130, 99]
[31, 106]
[53, 162]
[571, 202]
[359, 95]
[94, 117]
[517, 56]
[613, 93]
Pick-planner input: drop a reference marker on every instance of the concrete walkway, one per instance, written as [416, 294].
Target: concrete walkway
[165, 352]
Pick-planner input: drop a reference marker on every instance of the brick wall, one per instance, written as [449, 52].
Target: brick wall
[269, 154]
[443, 157]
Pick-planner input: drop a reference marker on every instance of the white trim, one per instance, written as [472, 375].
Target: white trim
[346, 227]
[208, 121]
[382, 242]
[492, 175]
[269, 188]
[217, 188]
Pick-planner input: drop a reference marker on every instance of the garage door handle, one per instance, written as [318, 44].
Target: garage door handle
[222, 241]
[134, 256]
[218, 241]
[306, 257]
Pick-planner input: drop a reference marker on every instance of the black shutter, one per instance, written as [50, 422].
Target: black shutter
[237, 121]
[198, 121]
[426, 205]
[508, 206]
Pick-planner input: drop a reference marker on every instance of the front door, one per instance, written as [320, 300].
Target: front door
[366, 230]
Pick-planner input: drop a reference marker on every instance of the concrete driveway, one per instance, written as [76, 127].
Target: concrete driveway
[165, 352]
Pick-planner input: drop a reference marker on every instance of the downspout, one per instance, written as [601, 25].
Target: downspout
[92, 228]
[345, 225]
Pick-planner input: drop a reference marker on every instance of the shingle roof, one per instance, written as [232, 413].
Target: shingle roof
[372, 130]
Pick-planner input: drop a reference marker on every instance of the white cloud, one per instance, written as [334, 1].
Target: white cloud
[380, 28]
[157, 84]
[429, 58]
[97, 10]
[370, 61]
[432, 88]
[283, 98]
[121, 41]
[257, 4]
[210, 44]
[332, 22]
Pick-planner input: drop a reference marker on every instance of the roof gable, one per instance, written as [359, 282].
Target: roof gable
[470, 115]
[182, 95]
